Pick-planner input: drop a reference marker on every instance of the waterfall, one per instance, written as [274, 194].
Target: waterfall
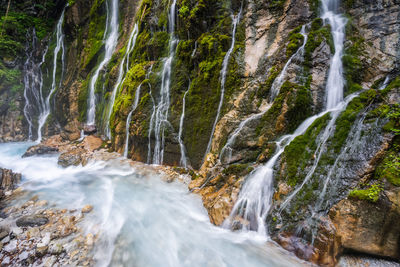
[33, 83]
[223, 72]
[335, 83]
[227, 149]
[151, 124]
[385, 83]
[45, 103]
[320, 147]
[162, 109]
[110, 44]
[123, 70]
[276, 85]
[129, 118]
[183, 161]
[255, 198]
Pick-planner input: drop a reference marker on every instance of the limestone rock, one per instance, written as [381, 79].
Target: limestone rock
[71, 158]
[32, 220]
[39, 150]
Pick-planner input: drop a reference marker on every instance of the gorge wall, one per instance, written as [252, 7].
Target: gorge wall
[244, 74]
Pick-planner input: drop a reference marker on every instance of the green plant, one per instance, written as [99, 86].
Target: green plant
[370, 194]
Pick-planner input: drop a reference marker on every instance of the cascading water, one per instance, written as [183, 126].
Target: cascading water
[255, 198]
[226, 151]
[385, 83]
[153, 114]
[33, 83]
[111, 34]
[334, 87]
[45, 108]
[183, 161]
[335, 83]
[235, 21]
[129, 118]
[162, 109]
[321, 147]
[277, 84]
[123, 70]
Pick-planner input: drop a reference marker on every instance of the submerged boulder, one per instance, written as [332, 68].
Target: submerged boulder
[39, 150]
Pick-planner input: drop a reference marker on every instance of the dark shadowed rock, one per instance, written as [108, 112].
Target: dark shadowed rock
[39, 150]
[89, 129]
[32, 220]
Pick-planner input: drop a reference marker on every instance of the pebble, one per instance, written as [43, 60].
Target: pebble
[16, 230]
[50, 261]
[23, 256]
[41, 250]
[55, 248]
[3, 234]
[89, 240]
[87, 209]
[11, 247]
[5, 240]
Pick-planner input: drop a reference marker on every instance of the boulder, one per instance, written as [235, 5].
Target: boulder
[32, 220]
[370, 228]
[89, 129]
[8, 180]
[71, 158]
[39, 150]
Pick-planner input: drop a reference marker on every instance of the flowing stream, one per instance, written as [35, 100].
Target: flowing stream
[162, 109]
[45, 103]
[276, 85]
[111, 35]
[129, 118]
[183, 161]
[33, 83]
[123, 70]
[140, 220]
[335, 83]
[224, 70]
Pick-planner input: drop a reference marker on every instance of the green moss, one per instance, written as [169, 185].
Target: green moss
[10, 79]
[300, 151]
[296, 39]
[316, 36]
[347, 118]
[354, 68]
[392, 85]
[265, 88]
[370, 194]
[237, 169]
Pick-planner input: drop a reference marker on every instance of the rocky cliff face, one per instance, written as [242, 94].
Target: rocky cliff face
[243, 74]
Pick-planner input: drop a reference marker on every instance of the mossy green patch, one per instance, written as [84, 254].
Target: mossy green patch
[300, 151]
[370, 194]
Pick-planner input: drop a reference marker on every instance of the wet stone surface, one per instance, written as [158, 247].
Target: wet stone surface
[35, 234]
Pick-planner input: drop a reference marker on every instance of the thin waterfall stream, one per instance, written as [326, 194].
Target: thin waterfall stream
[122, 72]
[183, 161]
[111, 35]
[162, 109]
[45, 103]
[235, 21]
[33, 82]
[129, 118]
